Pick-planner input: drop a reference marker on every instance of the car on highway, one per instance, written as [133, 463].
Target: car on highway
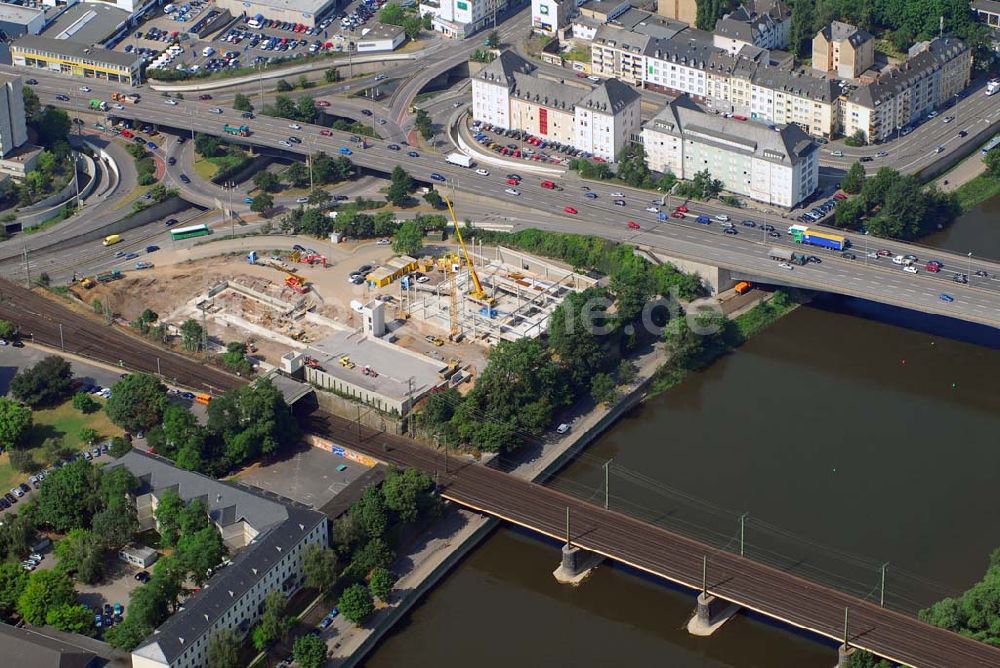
[170, 221]
[171, 101]
[865, 158]
[131, 256]
[932, 267]
[482, 172]
[963, 133]
[948, 119]
[774, 235]
[301, 200]
[393, 147]
[945, 297]
[184, 178]
[632, 225]
[881, 154]
[286, 144]
[322, 103]
[910, 269]
[703, 220]
[437, 177]
[722, 218]
[295, 126]
[590, 195]
[905, 131]
[345, 151]
[939, 149]
[786, 265]
[120, 254]
[366, 112]
[62, 98]
[326, 133]
[204, 96]
[512, 191]
[413, 154]
[215, 110]
[837, 154]
[619, 202]
[960, 278]
[749, 223]
[295, 140]
[932, 114]
[814, 259]
[152, 249]
[85, 89]
[569, 209]
[848, 255]
[653, 209]
[617, 194]
[730, 230]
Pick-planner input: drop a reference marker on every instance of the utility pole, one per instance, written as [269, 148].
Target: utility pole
[569, 541]
[260, 81]
[881, 598]
[62, 342]
[704, 575]
[607, 488]
[446, 455]
[846, 611]
[27, 270]
[158, 367]
[743, 519]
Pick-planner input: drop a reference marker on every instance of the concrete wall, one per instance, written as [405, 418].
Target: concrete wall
[718, 280]
[369, 416]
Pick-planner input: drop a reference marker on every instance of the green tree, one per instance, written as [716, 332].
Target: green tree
[84, 403]
[201, 551]
[267, 181]
[119, 446]
[433, 198]
[400, 187]
[862, 659]
[13, 580]
[632, 167]
[71, 617]
[319, 565]
[422, 121]
[407, 492]
[168, 517]
[854, 180]
[130, 633]
[412, 25]
[87, 435]
[15, 421]
[305, 109]
[318, 196]
[493, 40]
[376, 552]
[309, 651]
[7, 329]
[138, 400]
[52, 126]
[274, 622]
[331, 75]
[627, 372]
[223, 649]
[192, 333]
[81, 553]
[283, 86]
[296, 175]
[370, 510]
[992, 161]
[46, 590]
[116, 525]
[262, 203]
[253, 421]
[242, 103]
[22, 461]
[206, 145]
[849, 214]
[356, 604]
[235, 358]
[31, 104]
[427, 21]
[856, 139]
[44, 384]
[69, 497]
[803, 27]
[603, 389]
[380, 583]
[392, 14]
[409, 238]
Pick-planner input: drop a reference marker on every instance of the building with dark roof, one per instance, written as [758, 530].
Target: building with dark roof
[508, 93]
[771, 164]
[762, 23]
[63, 56]
[988, 12]
[35, 648]
[843, 49]
[268, 534]
[933, 74]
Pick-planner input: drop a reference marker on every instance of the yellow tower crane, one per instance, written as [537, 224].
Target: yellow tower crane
[477, 292]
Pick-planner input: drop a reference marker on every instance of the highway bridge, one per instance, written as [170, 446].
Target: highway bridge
[644, 546]
[877, 280]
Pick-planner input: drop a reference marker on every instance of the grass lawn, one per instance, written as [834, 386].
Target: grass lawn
[206, 168]
[978, 190]
[64, 422]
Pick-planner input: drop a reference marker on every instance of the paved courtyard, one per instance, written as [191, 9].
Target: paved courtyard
[307, 475]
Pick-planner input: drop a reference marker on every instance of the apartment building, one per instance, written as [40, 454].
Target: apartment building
[843, 49]
[765, 24]
[13, 127]
[548, 17]
[620, 54]
[599, 120]
[461, 18]
[934, 73]
[269, 536]
[777, 167]
[679, 10]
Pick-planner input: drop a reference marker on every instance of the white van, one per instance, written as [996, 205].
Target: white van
[207, 51]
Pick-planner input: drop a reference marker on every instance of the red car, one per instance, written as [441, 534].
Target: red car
[883, 253]
[932, 267]
[677, 214]
[839, 195]
[512, 182]
[326, 133]
[322, 103]
[632, 225]
[569, 209]
[681, 209]
[598, 158]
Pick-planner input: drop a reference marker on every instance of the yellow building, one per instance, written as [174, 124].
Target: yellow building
[392, 270]
[79, 60]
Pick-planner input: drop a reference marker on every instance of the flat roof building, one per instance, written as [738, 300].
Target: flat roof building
[87, 23]
[73, 59]
[306, 12]
[379, 37]
[13, 126]
[16, 20]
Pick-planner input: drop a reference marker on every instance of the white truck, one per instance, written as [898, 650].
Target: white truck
[459, 159]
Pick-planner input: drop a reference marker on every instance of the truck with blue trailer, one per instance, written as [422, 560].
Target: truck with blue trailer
[806, 235]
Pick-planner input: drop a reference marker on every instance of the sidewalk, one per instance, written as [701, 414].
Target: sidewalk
[962, 173]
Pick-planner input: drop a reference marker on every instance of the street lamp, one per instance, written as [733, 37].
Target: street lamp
[970, 268]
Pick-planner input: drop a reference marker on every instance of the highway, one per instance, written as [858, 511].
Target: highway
[979, 301]
[642, 545]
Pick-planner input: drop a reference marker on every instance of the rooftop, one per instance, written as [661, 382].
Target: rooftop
[313, 7]
[838, 31]
[988, 6]
[934, 55]
[401, 373]
[65, 47]
[16, 14]
[49, 648]
[87, 23]
[281, 524]
[381, 31]
[683, 118]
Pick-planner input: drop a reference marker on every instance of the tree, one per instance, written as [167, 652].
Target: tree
[392, 14]
[319, 565]
[7, 329]
[408, 239]
[84, 403]
[253, 420]
[412, 25]
[168, 522]
[331, 75]
[309, 652]
[407, 492]
[274, 622]
[15, 421]
[305, 109]
[201, 551]
[223, 649]
[130, 633]
[46, 590]
[849, 214]
[371, 512]
[52, 125]
[627, 372]
[297, 175]
[400, 187]
[803, 27]
[434, 199]
[856, 139]
[376, 552]
[283, 86]
[69, 497]
[262, 203]
[138, 400]
[22, 461]
[206, 145]
[356, 604]
[31, 104]
[422, 121]
[992, 161]
[88, 435]
[74, 618]
[493, 40]
[115, 526]
[242, 103]
[428, 21]
[854, 180]
[192, 333]
[13, 580]
[632, 167]
[266, 181]
[380, 583]
[119, 446]
[603, 389]
[43, 384]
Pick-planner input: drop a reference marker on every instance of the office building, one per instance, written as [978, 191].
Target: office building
[461, 18]
[13, 128]
[843, 50]
[597, 120]
[934, 73]
[775, 166]
[74, 59]
[548, 17]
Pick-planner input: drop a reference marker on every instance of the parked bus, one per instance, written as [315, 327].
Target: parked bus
[992, 144]
[188, 232]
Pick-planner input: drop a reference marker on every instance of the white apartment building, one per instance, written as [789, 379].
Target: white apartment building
[774, 167]
[13, 127]
[271, 537]
[765, 24]
[548, 17]
[934, 73]
[600, 120]
[461, 18]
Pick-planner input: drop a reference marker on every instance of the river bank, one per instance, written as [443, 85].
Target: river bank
[970, 182]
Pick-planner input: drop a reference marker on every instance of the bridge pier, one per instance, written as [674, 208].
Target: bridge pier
[576, 565]
[844, 653]
[710, 614]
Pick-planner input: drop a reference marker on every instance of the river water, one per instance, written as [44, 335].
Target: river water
[850, 443]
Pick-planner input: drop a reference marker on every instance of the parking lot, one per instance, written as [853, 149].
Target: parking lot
[526, 146]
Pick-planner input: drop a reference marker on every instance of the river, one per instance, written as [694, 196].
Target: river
[828, 429]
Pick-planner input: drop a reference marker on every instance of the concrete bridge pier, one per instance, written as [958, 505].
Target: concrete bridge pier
[711, 612]
[844, 653]
[576, 565]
